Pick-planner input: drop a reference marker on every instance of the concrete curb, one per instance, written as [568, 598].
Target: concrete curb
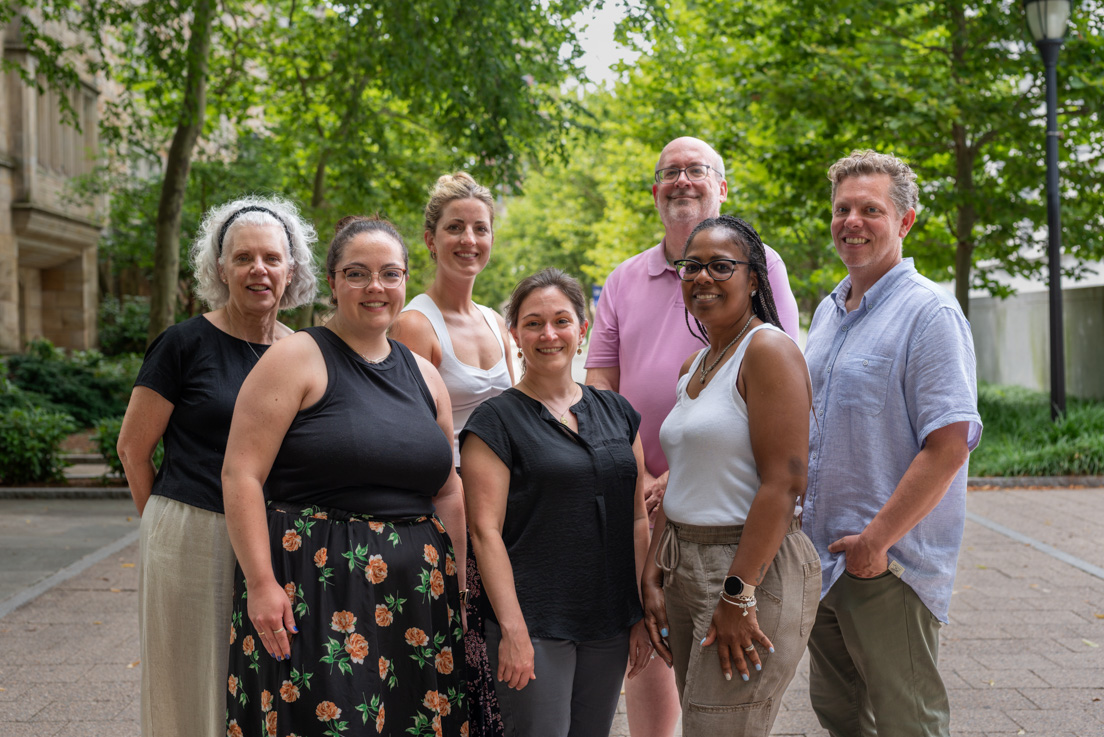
[1027, 482]
[64, 492]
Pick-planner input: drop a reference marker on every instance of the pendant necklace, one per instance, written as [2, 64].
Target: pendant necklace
[705, 371]
[547, 406]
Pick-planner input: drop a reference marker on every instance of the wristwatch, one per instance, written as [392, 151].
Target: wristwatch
[735, 586]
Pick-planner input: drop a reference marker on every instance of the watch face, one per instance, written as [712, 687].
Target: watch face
[733, 585]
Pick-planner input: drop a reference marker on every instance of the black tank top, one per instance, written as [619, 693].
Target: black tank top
[371, 444]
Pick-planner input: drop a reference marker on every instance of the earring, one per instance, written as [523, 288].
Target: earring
[433, 255]
[519, 355]
[579, 351]
[754, 292]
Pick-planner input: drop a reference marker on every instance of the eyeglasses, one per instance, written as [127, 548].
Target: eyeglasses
[358, 277]
[720, 269]
[694, 173]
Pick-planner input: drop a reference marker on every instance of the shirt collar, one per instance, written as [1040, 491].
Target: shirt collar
[881, 288]
[657, 260]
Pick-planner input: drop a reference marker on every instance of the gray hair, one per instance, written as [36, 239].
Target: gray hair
[208, 253]
[903, 190]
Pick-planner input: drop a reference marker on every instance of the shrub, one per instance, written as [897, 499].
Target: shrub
[123, 324]
[32, 439]
[84, 385]
[106, 438]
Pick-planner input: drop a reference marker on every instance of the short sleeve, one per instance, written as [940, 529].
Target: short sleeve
[162, 369]
[488, 425]
[632, 417]
[784, 300]
[941, 381]
[605, 343]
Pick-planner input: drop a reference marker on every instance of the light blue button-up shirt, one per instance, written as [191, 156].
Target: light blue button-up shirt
[885, 375]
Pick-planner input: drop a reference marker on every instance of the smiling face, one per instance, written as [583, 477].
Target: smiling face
[256, 267]
[373, 306]
[719, 303]
[463, 237]
[548, 331]
[683, 201]
[866, 228]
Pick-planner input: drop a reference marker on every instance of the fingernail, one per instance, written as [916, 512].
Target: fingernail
[744, 676]
[758, 666]
[295, 630]
[770, 649]
[728, 676]
[663, 632]
[703, 641]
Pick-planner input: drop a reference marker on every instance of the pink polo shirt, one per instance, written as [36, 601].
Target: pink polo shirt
[640, 327]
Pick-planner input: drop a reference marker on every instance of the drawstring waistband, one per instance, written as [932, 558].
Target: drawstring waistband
[667, 551]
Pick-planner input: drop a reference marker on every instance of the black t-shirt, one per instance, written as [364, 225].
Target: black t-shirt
[371, 444]
[569, 513]
[200, 369]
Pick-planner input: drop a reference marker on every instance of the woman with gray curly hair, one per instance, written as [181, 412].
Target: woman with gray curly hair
[251, 259]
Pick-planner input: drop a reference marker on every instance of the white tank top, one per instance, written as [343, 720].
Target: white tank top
[708, 446]
[468, 386]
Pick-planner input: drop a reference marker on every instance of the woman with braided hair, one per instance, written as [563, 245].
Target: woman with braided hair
[731, 584]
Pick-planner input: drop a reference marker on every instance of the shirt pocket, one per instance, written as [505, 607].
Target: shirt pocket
[863, 380]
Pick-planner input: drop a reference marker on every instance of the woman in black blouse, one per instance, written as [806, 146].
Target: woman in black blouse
[556, 512]
[251, 259]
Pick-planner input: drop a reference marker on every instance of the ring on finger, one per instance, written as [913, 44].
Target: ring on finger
[749, 648]
[276, 632]
[261, 633]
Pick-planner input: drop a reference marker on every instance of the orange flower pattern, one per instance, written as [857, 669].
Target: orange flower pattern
[416, 637]
[442, 661]
[376, 571]
[289, 692]
[327, 711]
[292, 541]
[343, 622]
[357, 647]
[386, 579]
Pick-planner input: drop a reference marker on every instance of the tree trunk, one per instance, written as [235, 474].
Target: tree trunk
[965, 217]
[166, 258]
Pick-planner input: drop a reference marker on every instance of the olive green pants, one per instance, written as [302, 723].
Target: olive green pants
[874, 657]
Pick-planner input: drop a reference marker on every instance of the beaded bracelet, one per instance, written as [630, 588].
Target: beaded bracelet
[742, 603]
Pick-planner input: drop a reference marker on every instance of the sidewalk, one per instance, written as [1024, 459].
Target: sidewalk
[1021, 655]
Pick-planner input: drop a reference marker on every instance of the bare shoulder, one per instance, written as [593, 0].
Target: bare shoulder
[773, 352]
[430, 373]
[415, 331]
[688, 363]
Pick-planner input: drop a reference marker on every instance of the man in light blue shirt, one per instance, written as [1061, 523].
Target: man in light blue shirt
[895, 395]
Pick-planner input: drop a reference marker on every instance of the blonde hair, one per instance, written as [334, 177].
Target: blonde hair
[903, 190]
[452, 187]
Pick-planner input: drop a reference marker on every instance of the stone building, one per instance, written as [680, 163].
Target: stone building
[48, 276]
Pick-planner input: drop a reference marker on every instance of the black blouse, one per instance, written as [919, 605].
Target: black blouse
[569, 514]
[200, 369]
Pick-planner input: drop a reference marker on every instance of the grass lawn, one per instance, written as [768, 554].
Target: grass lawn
[1020, 440]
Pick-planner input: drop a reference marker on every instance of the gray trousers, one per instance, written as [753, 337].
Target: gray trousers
[874, 658]
[575, 691]
[695, 560]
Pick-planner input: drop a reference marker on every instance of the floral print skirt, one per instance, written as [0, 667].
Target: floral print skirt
[377, 606]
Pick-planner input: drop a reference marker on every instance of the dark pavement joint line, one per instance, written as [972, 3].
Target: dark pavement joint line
[1042, 547]
[10, 604]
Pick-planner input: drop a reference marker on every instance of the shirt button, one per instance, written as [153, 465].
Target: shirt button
[844, 328]
[865, 362]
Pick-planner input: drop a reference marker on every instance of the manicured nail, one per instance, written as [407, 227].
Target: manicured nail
[758, 666]
[703, 641]
[744, 676]
[771, 649]
[663, 632]
[728, 676]
[295, 629]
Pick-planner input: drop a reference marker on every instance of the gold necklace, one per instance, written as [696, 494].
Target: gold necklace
[705, 371]
[563, 415]
[372, 361]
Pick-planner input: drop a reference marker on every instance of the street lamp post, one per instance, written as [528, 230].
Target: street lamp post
[1047, 21]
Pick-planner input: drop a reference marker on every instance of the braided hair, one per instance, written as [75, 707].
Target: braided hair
[744, 236]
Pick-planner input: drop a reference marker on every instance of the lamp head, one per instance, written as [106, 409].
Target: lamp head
[1047, 19]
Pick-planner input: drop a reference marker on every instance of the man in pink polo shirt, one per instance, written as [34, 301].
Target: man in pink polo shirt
[640, 340]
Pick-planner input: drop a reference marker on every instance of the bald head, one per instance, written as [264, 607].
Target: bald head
[686, 143]
[683, 203]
